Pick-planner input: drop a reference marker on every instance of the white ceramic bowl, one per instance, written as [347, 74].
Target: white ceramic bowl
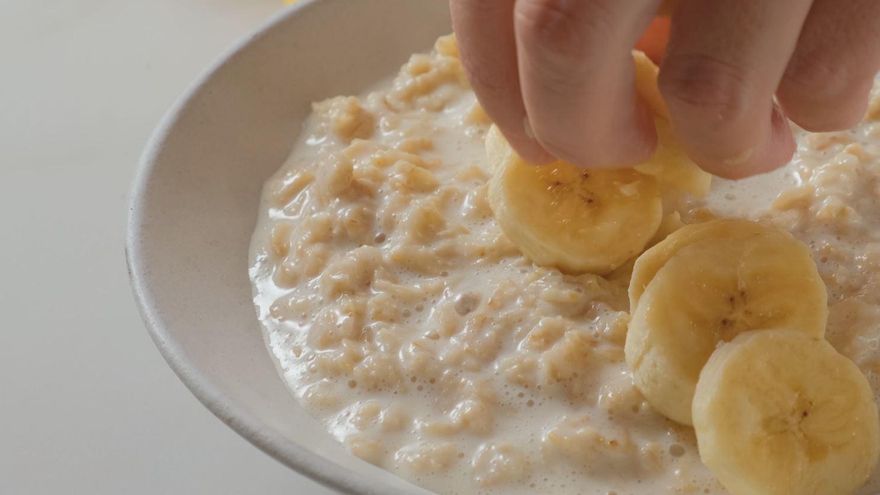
[195, 201]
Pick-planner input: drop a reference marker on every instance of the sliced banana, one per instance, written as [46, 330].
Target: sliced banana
[670, 164]
[576, 220]
[670, 223]
[780, 412]
[589, 220]
[497, 147]
[653, 259]
[709, 292]
[672, 167]
[646, 84]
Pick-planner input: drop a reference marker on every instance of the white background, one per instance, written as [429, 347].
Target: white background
[87, 405]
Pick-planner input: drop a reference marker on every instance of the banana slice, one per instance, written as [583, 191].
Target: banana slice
[653, 259]
[589, 221]
[709, 292]
[670, 164]
[780, 412]
[497, 147]
[573, 219]
[672, 167]
[646, 84]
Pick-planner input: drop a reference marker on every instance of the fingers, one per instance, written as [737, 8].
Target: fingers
[829, 77]
[722, 66]
[577, 78]
[484, 30]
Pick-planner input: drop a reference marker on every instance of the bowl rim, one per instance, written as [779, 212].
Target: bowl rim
[247, 425]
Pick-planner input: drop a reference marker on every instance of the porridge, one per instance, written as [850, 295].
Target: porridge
[406, 321]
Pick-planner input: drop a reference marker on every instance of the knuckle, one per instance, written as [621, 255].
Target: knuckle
[554, 25]
[707, 89]
[563, 83]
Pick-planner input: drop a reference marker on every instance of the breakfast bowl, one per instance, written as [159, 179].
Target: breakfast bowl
[195, 200]
[430, 303]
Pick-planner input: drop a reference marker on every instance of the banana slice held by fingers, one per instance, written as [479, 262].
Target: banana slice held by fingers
[647, 73]
[670, 164]
[576, 220]
[497, 147]
[708, 293]
[590, 220]
[780, 412]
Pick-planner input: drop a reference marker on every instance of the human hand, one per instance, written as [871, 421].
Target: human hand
[557, 76]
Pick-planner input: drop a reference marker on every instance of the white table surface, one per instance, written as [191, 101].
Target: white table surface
[87, 405]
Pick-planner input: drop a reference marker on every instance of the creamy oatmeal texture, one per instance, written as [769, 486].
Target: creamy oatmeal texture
[414, 329]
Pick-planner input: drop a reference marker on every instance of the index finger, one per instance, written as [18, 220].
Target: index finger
[484, 30]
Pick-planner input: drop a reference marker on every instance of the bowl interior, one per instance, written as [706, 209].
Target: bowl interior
[195, 204]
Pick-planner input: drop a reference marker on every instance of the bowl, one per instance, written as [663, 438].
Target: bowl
[195, 201]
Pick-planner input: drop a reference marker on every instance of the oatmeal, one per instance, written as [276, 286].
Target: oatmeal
[426, 343]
